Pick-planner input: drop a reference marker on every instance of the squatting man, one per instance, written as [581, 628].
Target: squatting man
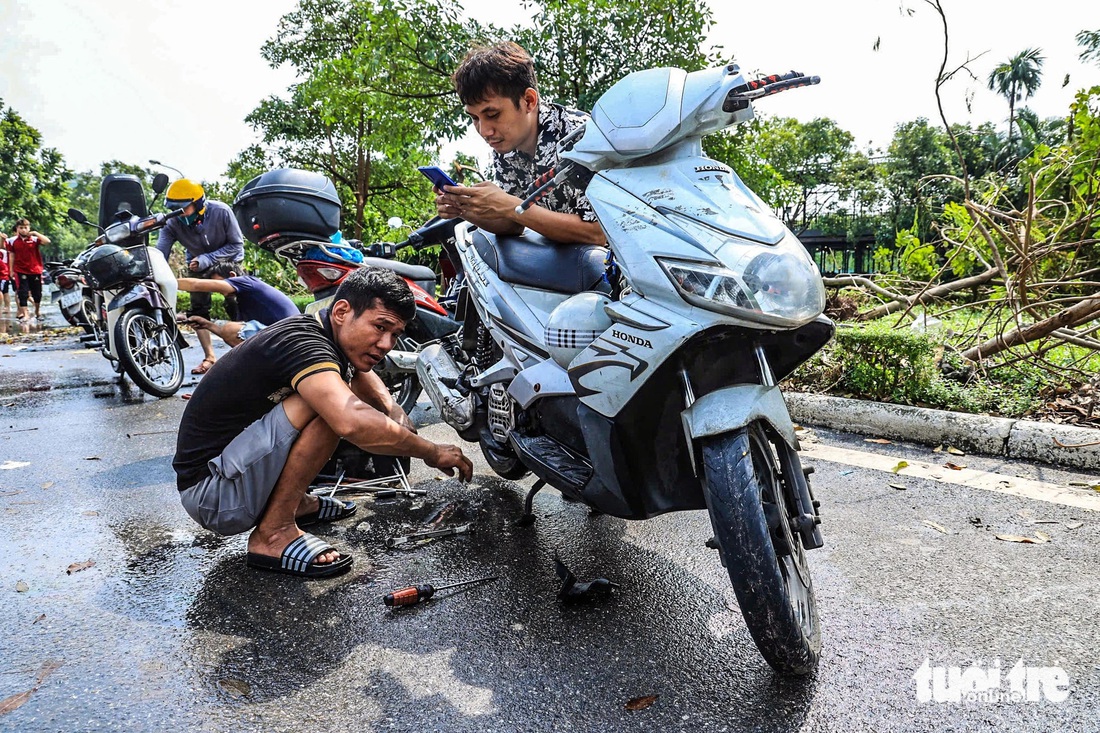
[269, 414]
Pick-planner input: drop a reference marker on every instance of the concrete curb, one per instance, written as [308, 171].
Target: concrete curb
[996, 436]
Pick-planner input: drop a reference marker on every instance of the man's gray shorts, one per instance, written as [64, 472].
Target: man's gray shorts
[234, 496]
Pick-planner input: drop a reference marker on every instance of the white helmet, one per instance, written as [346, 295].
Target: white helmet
[575, 324]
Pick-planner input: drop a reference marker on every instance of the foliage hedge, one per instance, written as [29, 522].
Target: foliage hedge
[874, 361]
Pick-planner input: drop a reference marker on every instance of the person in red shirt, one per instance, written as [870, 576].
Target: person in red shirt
[26, 266]
[5, 274]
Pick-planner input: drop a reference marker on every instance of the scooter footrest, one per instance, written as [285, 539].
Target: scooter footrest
[557, 465]
[94, 344]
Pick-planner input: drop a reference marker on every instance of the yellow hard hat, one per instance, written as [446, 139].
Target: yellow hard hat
[183, 192]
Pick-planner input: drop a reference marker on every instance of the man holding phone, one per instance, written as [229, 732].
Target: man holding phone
[496, 85]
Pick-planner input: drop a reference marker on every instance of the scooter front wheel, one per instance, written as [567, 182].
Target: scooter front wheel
[752, 507]
[148, 353]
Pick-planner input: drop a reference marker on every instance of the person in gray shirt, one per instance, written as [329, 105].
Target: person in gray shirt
[209, 234]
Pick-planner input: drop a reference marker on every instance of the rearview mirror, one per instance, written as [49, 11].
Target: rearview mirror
[160, 182]
[78, 216]
[394, 222]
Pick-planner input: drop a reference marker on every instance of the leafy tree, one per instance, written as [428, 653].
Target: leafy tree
[582, 47]
[372, 102]
[32, 178]
[918, 157]
[1089, 41]
[1016, 80]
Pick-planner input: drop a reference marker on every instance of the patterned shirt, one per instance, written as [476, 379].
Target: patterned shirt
[514, 172]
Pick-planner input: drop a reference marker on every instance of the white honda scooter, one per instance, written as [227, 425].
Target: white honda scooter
[657, 392]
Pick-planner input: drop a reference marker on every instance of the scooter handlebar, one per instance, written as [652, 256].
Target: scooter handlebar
[739, 97]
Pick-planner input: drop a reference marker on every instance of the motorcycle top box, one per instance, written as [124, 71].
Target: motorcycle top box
[287, 204]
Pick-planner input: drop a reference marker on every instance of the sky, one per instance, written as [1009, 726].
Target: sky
[172, 80]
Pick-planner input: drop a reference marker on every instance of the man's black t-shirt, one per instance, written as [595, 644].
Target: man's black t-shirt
[247, 383]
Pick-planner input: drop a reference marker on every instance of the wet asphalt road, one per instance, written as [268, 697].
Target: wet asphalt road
[169, 630]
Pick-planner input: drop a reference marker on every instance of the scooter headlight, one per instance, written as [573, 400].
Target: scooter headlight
[118, 232]
[775, 285]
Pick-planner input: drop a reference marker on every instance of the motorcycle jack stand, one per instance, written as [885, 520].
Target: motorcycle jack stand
[528, 517]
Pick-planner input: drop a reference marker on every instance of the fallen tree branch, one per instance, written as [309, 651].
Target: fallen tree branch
[849, 281]
[929, 295]
[1079, 313]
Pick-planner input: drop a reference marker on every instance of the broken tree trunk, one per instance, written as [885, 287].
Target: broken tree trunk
[929, 295]
[1080, 312]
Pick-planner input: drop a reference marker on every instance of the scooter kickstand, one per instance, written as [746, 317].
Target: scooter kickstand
[528, 517]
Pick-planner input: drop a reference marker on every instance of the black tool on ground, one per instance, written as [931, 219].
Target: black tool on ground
[571, 590]
[416, 593]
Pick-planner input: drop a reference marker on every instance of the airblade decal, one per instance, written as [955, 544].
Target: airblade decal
[632, 364]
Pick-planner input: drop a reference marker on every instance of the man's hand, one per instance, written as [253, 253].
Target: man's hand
[483, 200]
[193, 265]
[447, 458]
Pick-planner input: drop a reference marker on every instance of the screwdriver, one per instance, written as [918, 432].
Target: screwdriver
[416, 593]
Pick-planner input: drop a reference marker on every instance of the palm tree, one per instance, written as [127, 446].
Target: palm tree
[1017, 79]
[1089, 41]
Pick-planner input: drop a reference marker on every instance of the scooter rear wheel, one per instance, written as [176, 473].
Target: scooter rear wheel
[148, 353]
[752, 506]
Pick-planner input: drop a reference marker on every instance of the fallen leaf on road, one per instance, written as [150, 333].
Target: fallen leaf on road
[91, 458]
[881, 441]
[901, 465]
[91, 514]
[938, 449]
[10, 493]
[1043, 536]
[21, 587]
[14, 702]
[1018, 538]
[955, 451]
[185, 396]
[76, 567]
[954, 466]
[641, 703]
[1074, 525]
[41, 617]
[8, 465]
[47, 485]
[235, 688]
[938, 527]
[899, 487]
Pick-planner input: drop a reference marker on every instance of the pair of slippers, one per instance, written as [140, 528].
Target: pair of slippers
[299, 558]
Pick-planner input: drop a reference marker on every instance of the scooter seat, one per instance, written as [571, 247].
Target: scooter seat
[418, 273]
[533, 260]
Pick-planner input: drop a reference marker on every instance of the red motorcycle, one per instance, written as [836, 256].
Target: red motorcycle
[294, 214]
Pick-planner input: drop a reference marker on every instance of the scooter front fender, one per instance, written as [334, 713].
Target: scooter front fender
[732, 408]
[131, 294]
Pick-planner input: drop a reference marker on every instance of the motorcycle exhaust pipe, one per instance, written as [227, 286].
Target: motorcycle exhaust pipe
[398, 362]
[437, 371]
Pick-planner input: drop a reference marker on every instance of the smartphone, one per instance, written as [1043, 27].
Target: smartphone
[437, 176]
